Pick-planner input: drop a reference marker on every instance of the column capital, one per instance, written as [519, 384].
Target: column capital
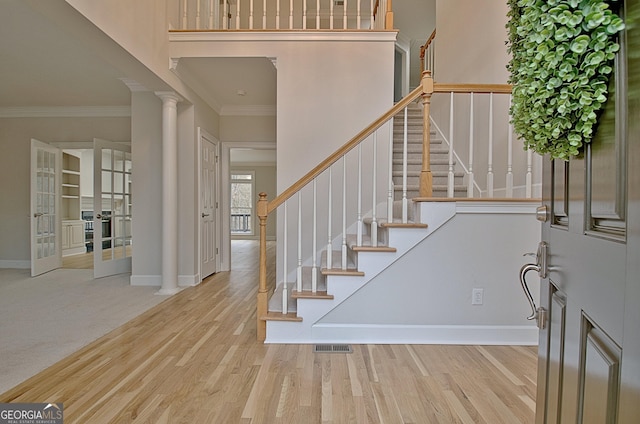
[168, 96]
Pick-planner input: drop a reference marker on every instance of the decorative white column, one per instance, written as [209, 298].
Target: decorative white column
[169, 192]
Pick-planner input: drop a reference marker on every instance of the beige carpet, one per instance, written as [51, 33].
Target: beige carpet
[45, 318]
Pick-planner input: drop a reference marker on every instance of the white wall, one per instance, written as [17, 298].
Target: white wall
[432, 284]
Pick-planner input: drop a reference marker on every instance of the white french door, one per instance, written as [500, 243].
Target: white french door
[208, 205]
[45, 225]
[112, 241]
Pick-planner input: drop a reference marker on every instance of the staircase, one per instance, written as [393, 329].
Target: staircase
[365, 260]
[439, 158]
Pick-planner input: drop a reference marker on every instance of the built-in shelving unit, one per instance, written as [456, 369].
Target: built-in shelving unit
[72, 223]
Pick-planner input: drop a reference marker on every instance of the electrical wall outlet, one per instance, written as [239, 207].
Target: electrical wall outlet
[477, 296]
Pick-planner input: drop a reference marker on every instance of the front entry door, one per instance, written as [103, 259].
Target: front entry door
[208, 205]
[45, 222]
[589, 351]
[112, 241]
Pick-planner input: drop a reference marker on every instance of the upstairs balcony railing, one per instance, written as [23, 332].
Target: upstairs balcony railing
[263, 15]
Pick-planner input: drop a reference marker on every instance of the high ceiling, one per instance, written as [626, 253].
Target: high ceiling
[43, 63]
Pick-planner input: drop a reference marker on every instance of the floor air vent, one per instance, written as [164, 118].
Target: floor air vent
[332, 348]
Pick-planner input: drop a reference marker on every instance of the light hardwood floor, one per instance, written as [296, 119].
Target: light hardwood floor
[194, 359]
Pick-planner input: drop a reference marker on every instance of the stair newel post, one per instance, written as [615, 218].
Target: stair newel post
[344, 214]
[426, 178]
[388, 19]
[299, 268]
[471, 131]
[314, 253]
[450, 175]
[262, 300]
[374, 219]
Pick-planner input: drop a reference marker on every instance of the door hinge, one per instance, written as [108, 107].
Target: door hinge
[216, 250]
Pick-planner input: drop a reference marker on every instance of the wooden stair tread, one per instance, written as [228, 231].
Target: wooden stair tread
[340, 271]
[279, 316]
[308, 294]
[403, 225]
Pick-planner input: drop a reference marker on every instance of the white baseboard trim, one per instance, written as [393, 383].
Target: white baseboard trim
[156, 280]
[74, 251]
[146, 280]
[15, 264]
[188, 280]
[421, 334]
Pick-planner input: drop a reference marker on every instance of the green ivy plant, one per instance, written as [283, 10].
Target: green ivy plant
[562, 55]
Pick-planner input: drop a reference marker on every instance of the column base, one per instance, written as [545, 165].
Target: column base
[168, 292]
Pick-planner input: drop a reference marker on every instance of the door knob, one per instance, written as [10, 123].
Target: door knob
[98, 216]
[204, 214]
[37, 214]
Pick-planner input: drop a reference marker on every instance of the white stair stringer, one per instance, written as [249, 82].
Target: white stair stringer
[343, 286]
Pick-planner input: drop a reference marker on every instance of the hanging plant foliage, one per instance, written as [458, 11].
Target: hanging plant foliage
[562, 55]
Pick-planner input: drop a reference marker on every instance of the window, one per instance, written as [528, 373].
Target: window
[242, 202]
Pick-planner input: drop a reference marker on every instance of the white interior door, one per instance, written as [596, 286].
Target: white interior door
[112, 241]
[46, 252]
[208, 205]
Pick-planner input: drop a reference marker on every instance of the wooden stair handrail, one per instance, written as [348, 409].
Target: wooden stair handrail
[472, 88]
[426, 45]
[333, 158]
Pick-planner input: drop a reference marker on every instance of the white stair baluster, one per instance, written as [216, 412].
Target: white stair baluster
[529, 176]
[371, 21]
[238, 14]
[198, 14]
[225, 18]
[451, 175]
[358, 23]
[405, 141]
[278, 14]
[329, 241]
[285, 291]
[184, 14]
[314, 252]
[471, 181]
[264, 14]
[213, 11]
[331, 14]
[317, 14]
[510, 162]
[344, 213]
[359, 217]
[344, 15]
[490, 158]
[299, 268]
[251, 14]
[290, 14]
[304, 14]
[374, 220]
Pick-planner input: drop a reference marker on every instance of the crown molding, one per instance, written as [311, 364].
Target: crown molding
[66, 112]
[250, 110]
